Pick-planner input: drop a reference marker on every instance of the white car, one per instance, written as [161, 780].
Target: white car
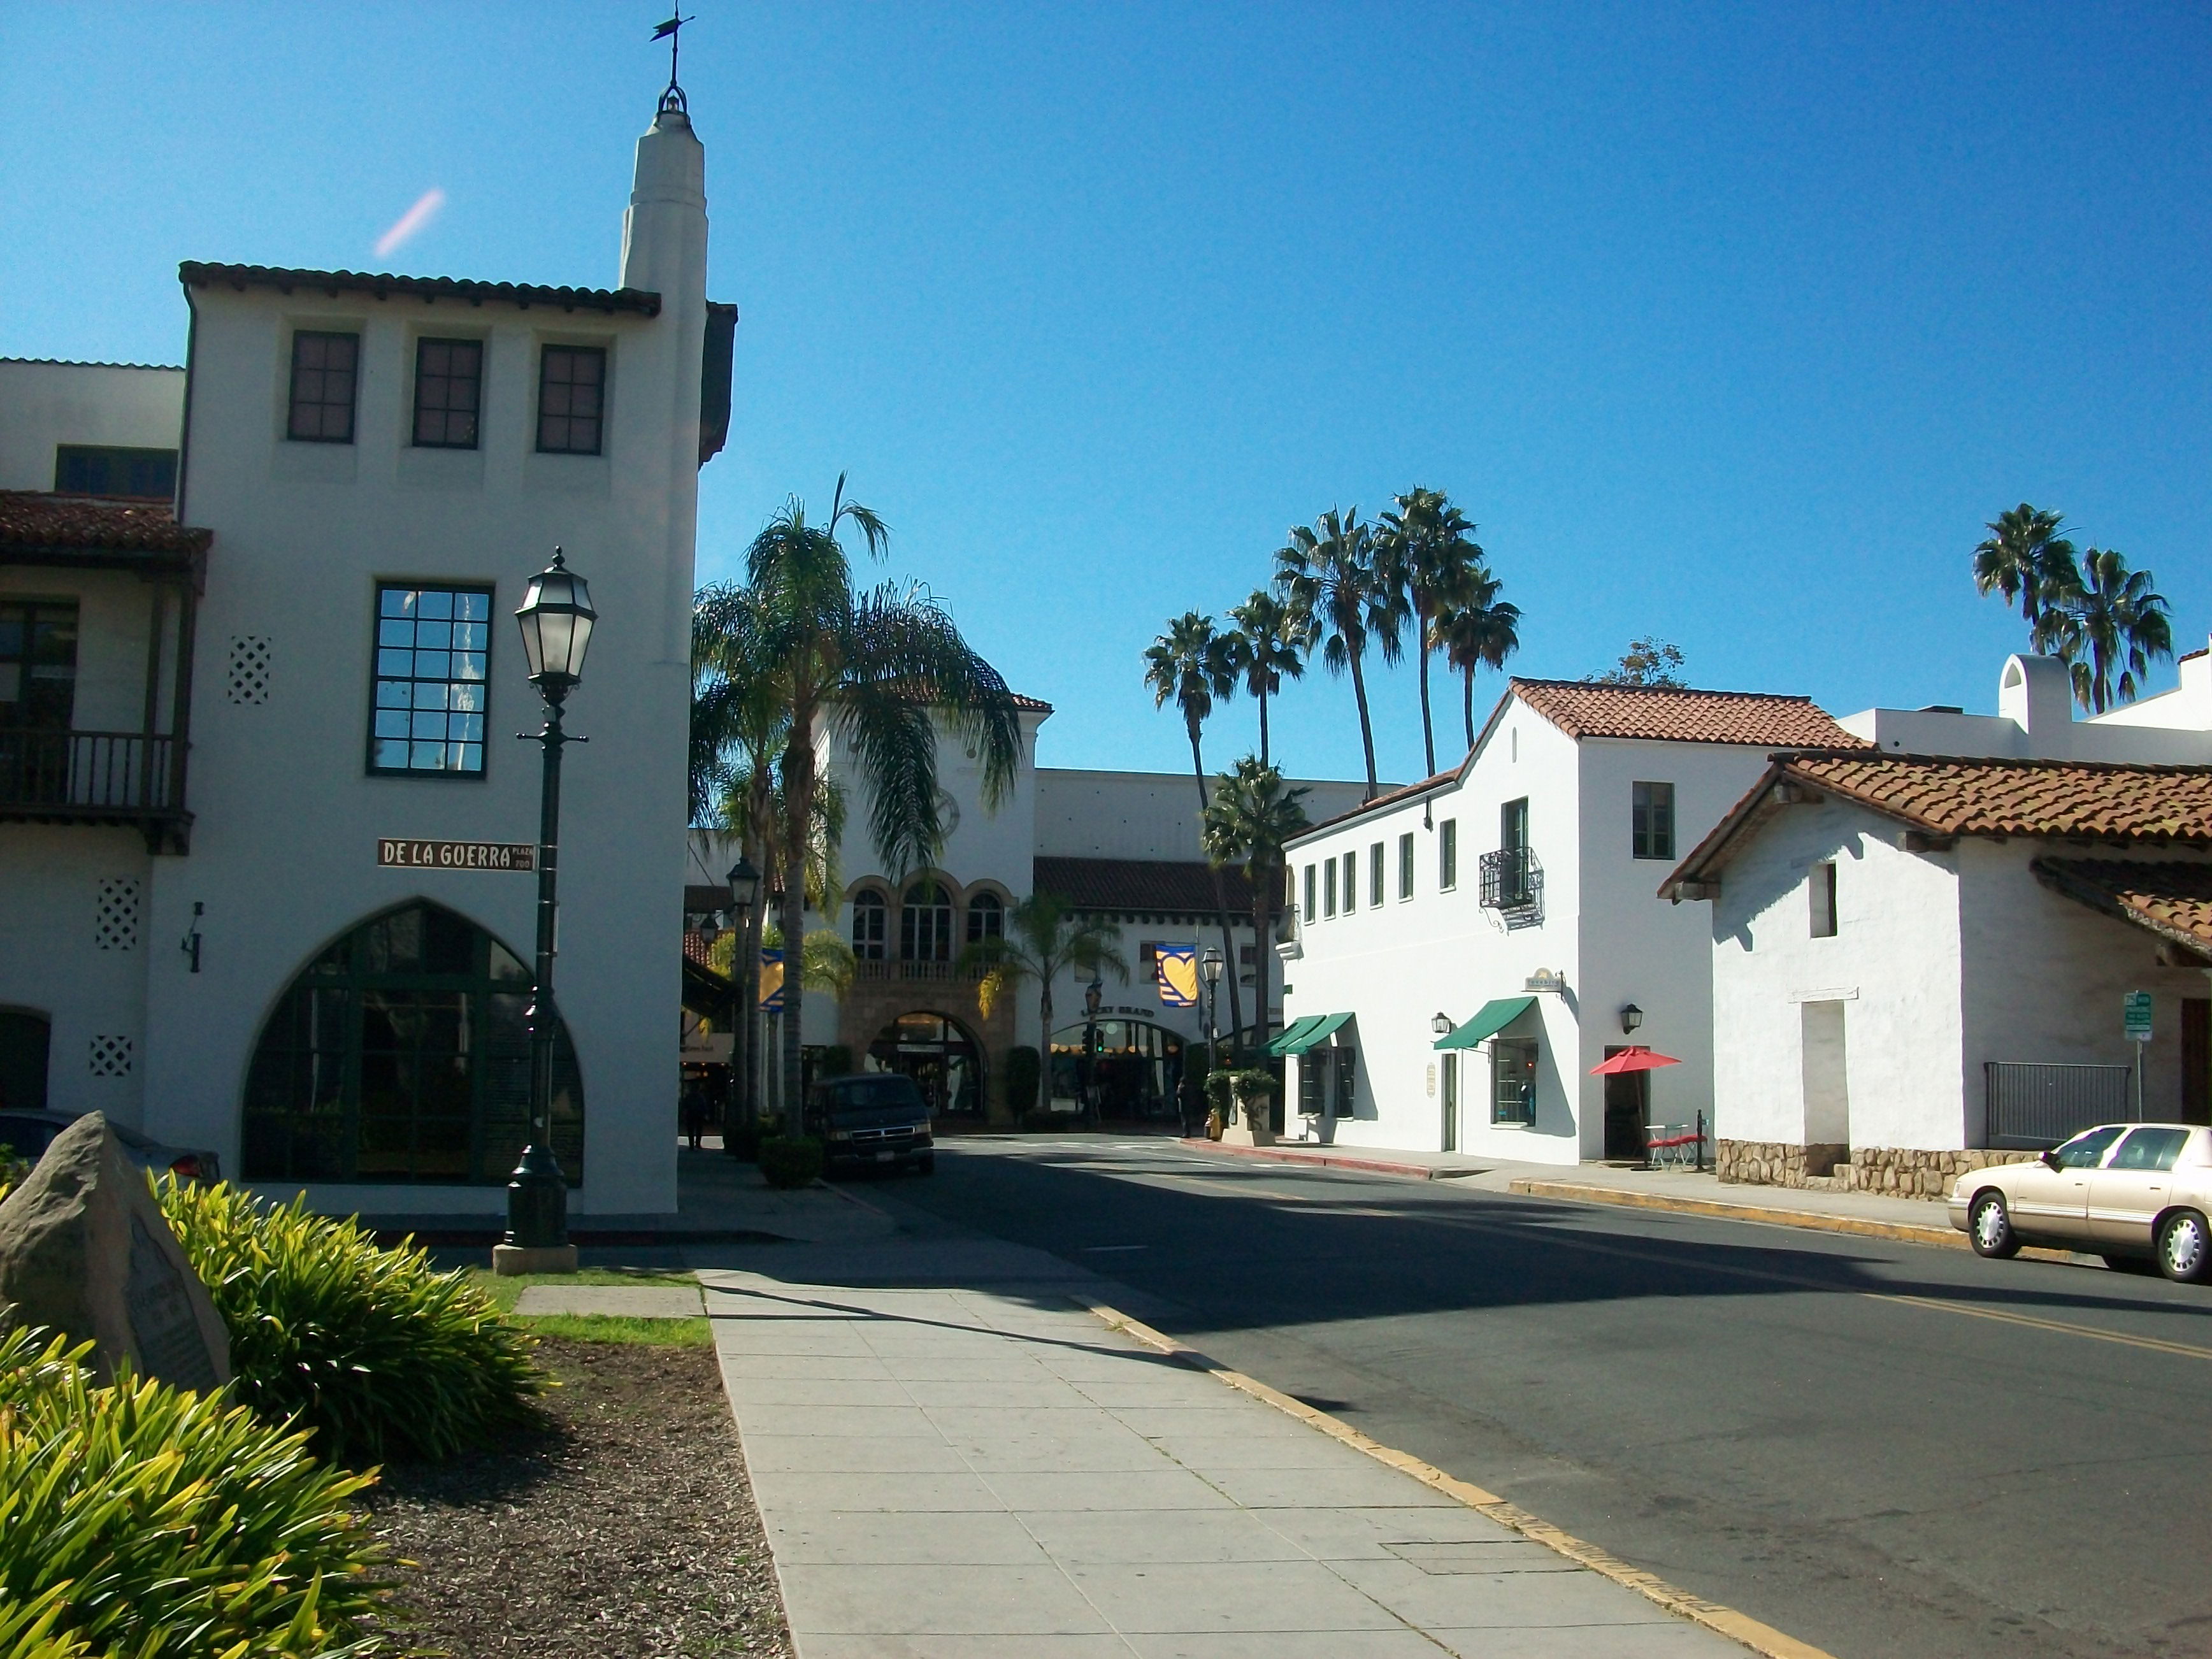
[2133, 1192]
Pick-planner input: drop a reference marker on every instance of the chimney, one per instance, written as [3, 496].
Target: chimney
[2036, 693]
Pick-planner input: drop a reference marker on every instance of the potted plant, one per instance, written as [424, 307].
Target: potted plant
[1252, 1089]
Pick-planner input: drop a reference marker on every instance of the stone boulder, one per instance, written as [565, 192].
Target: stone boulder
[85, 1249]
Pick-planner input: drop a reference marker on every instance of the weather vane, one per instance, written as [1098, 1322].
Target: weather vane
[672, 32]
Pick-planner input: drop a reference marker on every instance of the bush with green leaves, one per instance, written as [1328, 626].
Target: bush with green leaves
[1022, 1067]
[144, 1522]
[791, 1160]
[374, 1351]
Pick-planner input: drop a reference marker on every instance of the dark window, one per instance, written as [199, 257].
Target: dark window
[324, 370]
[1513, 825]
[987, 918]
[1652, 820]
[1375, 876]
[38, 666]
[402, 1054]
[926, 924]
[1448, 855]
[1513, 1073]
[572, 385]
[137, 475]
[1329, 888]
[2149, 1149]
[433, 658]
[869, 916]
[1821, 885]
[1405, 866]
[1346, 1097]
[1351, 883]
[2086, 1150]
[448, 391]
[1312, 912]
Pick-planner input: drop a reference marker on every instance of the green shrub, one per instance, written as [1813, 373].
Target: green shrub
[150, 1521]
[1023, 1066]
[791, 1160]
[743, 1140]
[836, 1060]
[1218, 1088]
[375, 1352]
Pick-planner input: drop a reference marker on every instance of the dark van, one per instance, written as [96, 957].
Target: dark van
[877, 1120]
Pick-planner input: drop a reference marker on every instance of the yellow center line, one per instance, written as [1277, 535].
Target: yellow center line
[2187, 1350]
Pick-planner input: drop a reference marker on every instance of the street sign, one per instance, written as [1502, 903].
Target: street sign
[2135, 1010]
[456, 854]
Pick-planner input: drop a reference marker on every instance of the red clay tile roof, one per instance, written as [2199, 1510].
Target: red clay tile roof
[1390, 797]
[1949, 795]
[2173, 900]
[1142, 886]
[927, 691]
[1678, 714]
[194, 274]
[33, 521]
[2080, 800]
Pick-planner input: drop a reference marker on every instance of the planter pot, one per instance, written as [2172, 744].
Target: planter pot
[1214, 1129]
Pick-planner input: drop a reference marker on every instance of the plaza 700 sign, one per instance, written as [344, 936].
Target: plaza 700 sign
[456, 854]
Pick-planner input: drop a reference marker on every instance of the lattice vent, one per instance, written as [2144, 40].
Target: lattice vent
[115, 913]
[249, 668]
[111, 1056]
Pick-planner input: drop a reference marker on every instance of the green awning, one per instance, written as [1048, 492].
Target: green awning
[1490, 1019]
[1305, 1033]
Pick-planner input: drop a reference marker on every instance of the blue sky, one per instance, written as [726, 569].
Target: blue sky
[1730, 324]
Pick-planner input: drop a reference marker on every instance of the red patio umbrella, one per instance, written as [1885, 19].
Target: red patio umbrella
[1633, 1059]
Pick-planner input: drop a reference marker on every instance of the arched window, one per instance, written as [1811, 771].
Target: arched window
[402, 1054]
[987, 918]
[926, 924]
[870, 925]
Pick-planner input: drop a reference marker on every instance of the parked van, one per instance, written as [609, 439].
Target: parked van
[877, 1120]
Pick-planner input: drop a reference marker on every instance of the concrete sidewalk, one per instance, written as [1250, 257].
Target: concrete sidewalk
[953, 1457]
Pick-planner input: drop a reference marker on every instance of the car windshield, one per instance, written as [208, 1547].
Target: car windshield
[2149, 1149]
[873, 1094]
[2086, 1150]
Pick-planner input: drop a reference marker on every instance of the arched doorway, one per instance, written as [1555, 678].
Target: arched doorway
[946, 1063]
[1132, 1069]
[23, 1042]
[401, 1054]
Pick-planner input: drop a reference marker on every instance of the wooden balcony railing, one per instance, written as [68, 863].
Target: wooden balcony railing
[62, 776]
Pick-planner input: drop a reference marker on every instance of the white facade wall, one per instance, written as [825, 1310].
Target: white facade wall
[2035, 719]
[1603, 929]
[1894, 964]
[45, 405]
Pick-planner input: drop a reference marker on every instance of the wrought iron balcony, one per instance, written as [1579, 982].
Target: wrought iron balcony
[56, 776]
[1511, 879]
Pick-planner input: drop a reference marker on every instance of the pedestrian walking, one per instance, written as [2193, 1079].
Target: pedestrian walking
[695, 1111]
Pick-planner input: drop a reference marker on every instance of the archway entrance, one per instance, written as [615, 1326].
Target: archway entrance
[402, 1054]
[1131, 1070]
[23, 1039]
[946, 1063]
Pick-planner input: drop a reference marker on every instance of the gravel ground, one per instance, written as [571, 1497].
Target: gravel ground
[625, 1529]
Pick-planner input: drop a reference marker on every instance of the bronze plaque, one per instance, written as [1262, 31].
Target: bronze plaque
[456, 854]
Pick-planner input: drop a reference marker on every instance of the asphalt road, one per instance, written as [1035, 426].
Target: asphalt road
[1881, 1448]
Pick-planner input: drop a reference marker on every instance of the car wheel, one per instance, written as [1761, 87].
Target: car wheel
[2185, 1247]
[1988, 1227]
[925, 1164]
[2129, 1264]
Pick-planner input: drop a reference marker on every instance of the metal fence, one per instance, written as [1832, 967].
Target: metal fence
[2030, 1107]
[98, 770]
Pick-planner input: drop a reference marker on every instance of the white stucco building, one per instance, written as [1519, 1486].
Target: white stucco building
[1921, 950]
[233, 728]
[1120, 846]
[1509, 902]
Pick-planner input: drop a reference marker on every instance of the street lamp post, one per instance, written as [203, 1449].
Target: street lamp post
[745, 995]
[1209, 966]
[555, 616]
[1093, 993]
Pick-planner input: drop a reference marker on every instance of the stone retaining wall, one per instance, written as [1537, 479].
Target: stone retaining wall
[1899, 1171]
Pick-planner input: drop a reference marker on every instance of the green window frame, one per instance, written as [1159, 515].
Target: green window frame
[400, 1055]
[1405, 866]
[1448, 855]
[1312, 914]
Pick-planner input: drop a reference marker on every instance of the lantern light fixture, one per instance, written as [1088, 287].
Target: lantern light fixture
[1631, 1017]
[556, 618]
[1442, 1024]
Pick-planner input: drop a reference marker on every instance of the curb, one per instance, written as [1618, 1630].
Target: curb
[1763, 1640]
[1322, 1160]
[1944, 1237]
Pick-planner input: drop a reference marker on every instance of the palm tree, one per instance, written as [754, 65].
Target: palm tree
[883, 669]
[1331, 575]
[2112, 618]
[2026, 558]
[1478, 630]
[1043, 939]
[1272, 648]
[1192, 666]
[1250, 822]
[1431, 546]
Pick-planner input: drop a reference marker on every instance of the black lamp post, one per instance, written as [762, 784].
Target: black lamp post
[1092, 994]
[555, 616]
[744, 992]
[1209, 968]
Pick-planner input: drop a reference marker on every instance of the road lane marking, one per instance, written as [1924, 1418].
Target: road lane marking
[1760, 1638]
[2156, 1345]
